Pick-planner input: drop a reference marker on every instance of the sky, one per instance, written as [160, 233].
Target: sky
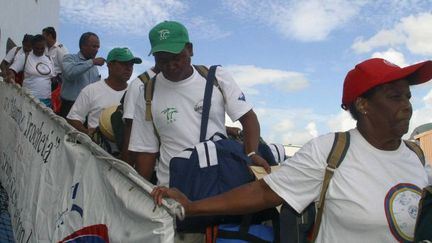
[290, 58]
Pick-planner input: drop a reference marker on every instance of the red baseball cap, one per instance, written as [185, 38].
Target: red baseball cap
[376, 71]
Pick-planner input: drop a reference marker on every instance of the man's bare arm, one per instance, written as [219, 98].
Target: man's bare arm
[145, 163]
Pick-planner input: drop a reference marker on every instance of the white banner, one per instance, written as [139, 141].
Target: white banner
[63, 187]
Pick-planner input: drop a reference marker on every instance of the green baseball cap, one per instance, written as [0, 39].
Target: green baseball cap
[168, 36]
[122, 55]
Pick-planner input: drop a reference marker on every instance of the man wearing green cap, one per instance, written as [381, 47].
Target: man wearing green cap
[104, 93]
[177, 105]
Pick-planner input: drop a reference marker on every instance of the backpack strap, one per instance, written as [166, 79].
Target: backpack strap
[203, 71]
[148, 93]
[148, 97]
[337, 154]
[417, 150]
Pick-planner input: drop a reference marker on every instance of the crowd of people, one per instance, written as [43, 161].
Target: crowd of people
[372, 197]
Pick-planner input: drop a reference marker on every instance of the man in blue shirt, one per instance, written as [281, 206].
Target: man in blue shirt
[79, 70]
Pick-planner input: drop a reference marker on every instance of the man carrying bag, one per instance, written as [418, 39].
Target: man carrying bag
[177, 104]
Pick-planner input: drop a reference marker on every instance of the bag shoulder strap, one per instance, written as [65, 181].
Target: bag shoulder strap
[417, 150]
[26, 54]
[149, 87]
[203, 71]
[148, 93]
[207, 101]
[25, 59]
[17, 50]
[336, 156]
[120, 107]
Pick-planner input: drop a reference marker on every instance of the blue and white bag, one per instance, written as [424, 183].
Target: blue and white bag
[210, 168]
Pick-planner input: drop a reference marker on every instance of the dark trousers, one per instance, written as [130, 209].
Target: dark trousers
[65, 107]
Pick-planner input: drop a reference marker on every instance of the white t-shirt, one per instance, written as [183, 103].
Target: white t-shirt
[132, 95]
[176, 110]
[10, 56]
[372, 197]
[92, 100]
[57, 52]
[38, 72]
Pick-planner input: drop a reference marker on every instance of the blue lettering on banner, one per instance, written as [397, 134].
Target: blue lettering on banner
[74, 207]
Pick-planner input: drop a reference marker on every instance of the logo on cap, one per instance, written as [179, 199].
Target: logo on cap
[128, 52]
[164, 34]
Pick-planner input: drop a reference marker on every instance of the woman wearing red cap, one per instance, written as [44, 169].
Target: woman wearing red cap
[373, 195]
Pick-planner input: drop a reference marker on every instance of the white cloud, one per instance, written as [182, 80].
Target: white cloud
[282, 126]
[204, 28]
[286, 132]
[382, 38]
[283, 129]
[341, 122]
[311, 20]
[137, 17]
[288, 126]
[428, 99]
[311, 127]
[297, 126]
[419, 33]
[422, 115]
[132, 16]
[393, 56]
[413, 32]
[248, 76]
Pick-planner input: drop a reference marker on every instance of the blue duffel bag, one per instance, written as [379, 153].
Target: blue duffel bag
[209, 168]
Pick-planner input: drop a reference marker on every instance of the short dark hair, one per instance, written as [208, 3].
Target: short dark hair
[366, 95]
[51, 31]
[27, 38]
[84, 37]
[37, 38]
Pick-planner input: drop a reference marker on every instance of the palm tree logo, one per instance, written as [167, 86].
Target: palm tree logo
[169, 112]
